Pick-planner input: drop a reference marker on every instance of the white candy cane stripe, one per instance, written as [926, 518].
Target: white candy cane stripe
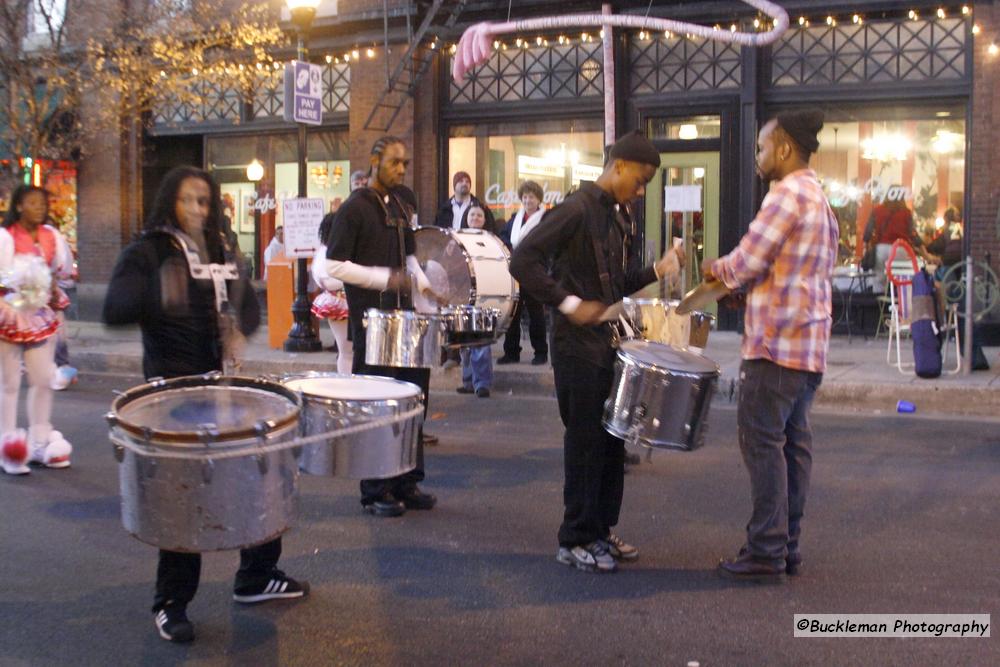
[476, 45]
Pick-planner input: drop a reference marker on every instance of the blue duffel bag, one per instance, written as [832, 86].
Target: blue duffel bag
[924, 326]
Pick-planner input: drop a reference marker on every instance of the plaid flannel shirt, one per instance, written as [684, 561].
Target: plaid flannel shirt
[785, 261]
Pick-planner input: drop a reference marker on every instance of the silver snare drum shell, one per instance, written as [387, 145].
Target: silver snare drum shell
[660, 396]
[332, 401]
[470, 325]
[403, 338]
[200, 504]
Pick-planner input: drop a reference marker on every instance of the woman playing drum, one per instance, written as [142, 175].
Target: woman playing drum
[189, 327]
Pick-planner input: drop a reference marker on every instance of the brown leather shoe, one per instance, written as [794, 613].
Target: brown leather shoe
[748, 568]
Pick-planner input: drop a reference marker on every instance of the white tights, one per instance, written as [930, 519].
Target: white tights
[345, 349]
[39, 361]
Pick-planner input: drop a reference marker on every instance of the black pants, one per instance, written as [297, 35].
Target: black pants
[594, 459]
[776, 443]
[177, 573]
[536, 328]
[402, 484]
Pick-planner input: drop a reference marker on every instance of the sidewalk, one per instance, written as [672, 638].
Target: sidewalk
[857, 378]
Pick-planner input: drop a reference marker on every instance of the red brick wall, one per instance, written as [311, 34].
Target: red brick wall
[985, 134]
[416, 125]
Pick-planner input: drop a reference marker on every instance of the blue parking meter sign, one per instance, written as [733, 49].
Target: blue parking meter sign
[303, 93]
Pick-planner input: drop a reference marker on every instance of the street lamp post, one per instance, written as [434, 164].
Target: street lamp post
[255, 172]
[301, 337]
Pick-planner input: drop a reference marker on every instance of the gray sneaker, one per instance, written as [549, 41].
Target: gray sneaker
[593, 557]
[620, 549]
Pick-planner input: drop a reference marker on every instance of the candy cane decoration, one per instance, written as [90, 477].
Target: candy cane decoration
[476, 45]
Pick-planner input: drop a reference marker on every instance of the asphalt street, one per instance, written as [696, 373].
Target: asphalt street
[902, 518]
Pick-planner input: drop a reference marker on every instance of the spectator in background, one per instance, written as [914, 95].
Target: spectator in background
[65, 276]
[526, 219]
[275, 249]
[477, 362]
[454, 212]
[359, 179]
[890, 220]
[454, 215]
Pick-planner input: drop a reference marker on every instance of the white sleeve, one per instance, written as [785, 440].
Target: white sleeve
[368, 277]
[6, 249]
[320, 274]
[414, 267]
[62, 263]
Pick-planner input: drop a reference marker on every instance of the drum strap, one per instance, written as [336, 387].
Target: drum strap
[400, 225]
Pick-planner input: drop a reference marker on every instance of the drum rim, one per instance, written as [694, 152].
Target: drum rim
[318, 398]
[625, 357]
[401, 314]
[212, 379]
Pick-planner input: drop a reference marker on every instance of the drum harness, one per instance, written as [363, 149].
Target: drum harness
[399, 224]
[621, 328]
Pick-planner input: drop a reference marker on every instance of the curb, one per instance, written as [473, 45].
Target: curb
[539, 382]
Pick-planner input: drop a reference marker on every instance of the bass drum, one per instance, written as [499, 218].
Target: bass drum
[470, 267]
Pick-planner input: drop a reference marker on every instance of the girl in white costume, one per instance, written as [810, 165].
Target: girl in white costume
[331, 303]
[32, 256]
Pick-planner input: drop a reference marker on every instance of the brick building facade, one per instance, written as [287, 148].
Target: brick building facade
[888, 71]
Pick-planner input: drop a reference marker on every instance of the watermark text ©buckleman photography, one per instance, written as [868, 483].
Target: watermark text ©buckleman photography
[892, 625]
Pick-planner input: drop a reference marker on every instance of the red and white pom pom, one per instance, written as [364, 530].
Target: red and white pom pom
[14, 452]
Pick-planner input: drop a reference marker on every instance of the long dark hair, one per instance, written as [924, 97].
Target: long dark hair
[324, 228]
[164, 210]
[20, 192]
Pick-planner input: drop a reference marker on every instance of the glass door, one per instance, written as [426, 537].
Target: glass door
[682, 202]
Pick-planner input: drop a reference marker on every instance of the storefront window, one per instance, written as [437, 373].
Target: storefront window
[249, 205]
[687, 129]
[918, 165]
[503, 159]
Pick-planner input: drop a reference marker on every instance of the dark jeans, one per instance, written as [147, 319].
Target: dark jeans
[594, 460]
[536, 328]
[62, 351]
[405, 483]
[776, 442]
[177, 573]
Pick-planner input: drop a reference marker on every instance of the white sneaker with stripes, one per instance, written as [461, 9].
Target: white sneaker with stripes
[279, 587]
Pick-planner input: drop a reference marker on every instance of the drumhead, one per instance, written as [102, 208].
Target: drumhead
[445, 263]
[664, 356]
[190, 409]
[354, 388]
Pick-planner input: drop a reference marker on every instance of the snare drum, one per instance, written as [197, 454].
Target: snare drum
[332, 401]
[470, 267]
[660, 396]
[403, 338]
[657, 320]
[202, 503]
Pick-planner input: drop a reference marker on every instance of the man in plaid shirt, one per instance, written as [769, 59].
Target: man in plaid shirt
[785, 262]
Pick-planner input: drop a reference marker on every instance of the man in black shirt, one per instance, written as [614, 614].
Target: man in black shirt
[366, 254]
[587, 237]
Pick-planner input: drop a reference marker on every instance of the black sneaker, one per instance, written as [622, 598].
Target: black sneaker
[465, 390]
[540, 360]
[483, 392]
[415, 499]
[278, 587]
[507, 359]
[173, 624]
[385, 506]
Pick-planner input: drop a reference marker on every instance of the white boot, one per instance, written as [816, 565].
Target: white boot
[14, 453]
[54, 454]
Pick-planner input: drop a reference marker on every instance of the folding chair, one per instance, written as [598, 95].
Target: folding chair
[899, 271]
[950, 330]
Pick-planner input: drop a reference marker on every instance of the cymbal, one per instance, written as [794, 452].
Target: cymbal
[703, 295]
